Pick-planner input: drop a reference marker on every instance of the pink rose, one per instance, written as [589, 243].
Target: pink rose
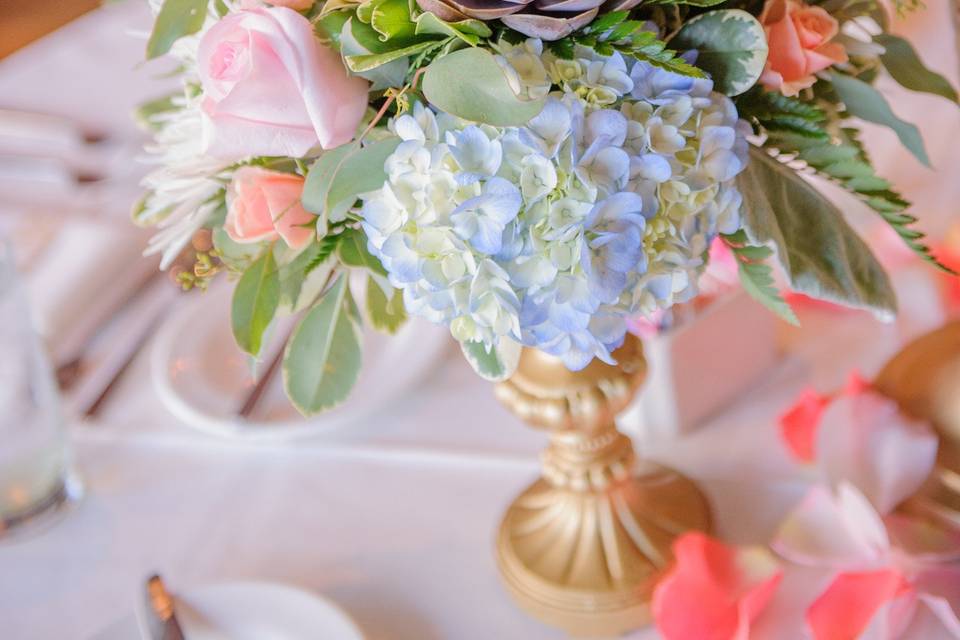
[798, 38]
[271, 89]
[263, 205]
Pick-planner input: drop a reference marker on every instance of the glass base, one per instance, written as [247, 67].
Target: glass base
[44, 513]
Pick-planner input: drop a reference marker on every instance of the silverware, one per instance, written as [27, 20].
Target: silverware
[71, 368]
[161, 619]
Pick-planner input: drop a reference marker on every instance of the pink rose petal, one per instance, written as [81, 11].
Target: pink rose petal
[866, 440]
[847, 607]
[799, 424]
[713, 591]
[837, 530]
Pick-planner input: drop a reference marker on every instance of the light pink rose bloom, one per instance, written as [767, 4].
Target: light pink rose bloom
[264, 205]
[798, 39]
[271, 89]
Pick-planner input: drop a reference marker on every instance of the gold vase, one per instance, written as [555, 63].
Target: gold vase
[924, 378]
[583, 546]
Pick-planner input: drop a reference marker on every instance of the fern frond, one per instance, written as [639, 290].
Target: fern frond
[797, 131]
[756, 275]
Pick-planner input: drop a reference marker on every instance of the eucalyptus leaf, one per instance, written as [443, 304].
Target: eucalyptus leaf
[319, 179]
[352, 251]
[866, 103]
[322, 359]
[820, 253]
[385, 314]
[255, 301]
[903, 63]
[176, 19]
[470, 84]
[730, 45]
[496, 364]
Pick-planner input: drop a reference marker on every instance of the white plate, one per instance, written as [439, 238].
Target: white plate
[247, 611]
[202, 376]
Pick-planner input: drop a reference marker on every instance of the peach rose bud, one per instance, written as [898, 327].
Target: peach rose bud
[263, 205]
[799, 42]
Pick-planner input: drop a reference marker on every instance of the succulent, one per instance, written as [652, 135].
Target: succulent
[546, 19]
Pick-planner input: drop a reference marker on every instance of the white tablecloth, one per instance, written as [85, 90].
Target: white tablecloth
[394, 518]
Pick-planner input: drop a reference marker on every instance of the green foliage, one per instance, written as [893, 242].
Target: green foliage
[496, 364]
[177, 18]
[325, 248]
[731, 47]
[612, 32]
[797, 129]
[352, 251]
[338, 175]
[385, 314]
[821, 255]
[322, 359]
[255, 301]
[865, 102]
[470, 84]
[903, 63]
[756, 275]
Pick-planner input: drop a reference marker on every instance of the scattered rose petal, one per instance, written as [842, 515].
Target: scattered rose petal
[866, 440]
[849, 605]
[713, 591]
[799, 425]
[839, 530]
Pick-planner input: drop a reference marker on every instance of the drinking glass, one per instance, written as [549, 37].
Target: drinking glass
[36, 479]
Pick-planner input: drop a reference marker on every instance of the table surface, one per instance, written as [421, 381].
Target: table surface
[393, 518]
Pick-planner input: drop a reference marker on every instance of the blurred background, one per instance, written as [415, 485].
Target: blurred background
[387, 505]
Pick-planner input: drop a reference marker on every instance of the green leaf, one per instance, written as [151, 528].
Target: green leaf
[255, 301]
[386, 315]
[838, 157]
[903, 63]
[359, 39]
[177, 18]
[470, 84]
[470, 31]
[496, 364]
[391, 19]
[731, 47]
[757, 277]
[340, 174]
[865, 102]
[821, 255]
[368, 62]
[322, 360]
[352, 251]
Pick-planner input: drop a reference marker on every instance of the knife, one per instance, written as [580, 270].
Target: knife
[160, 618]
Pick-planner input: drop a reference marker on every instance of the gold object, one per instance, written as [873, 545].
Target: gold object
[924, 378]
[583, 547]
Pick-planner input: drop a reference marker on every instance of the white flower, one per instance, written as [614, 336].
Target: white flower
[524, 68]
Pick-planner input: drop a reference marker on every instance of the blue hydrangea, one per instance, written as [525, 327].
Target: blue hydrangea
[552, 234]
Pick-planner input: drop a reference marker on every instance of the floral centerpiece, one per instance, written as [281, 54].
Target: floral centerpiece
[528, 173]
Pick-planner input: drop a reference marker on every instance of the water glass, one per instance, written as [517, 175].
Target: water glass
[36, 479]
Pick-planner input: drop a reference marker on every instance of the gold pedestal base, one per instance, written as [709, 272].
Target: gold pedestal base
[583, 547]
[587, 562]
